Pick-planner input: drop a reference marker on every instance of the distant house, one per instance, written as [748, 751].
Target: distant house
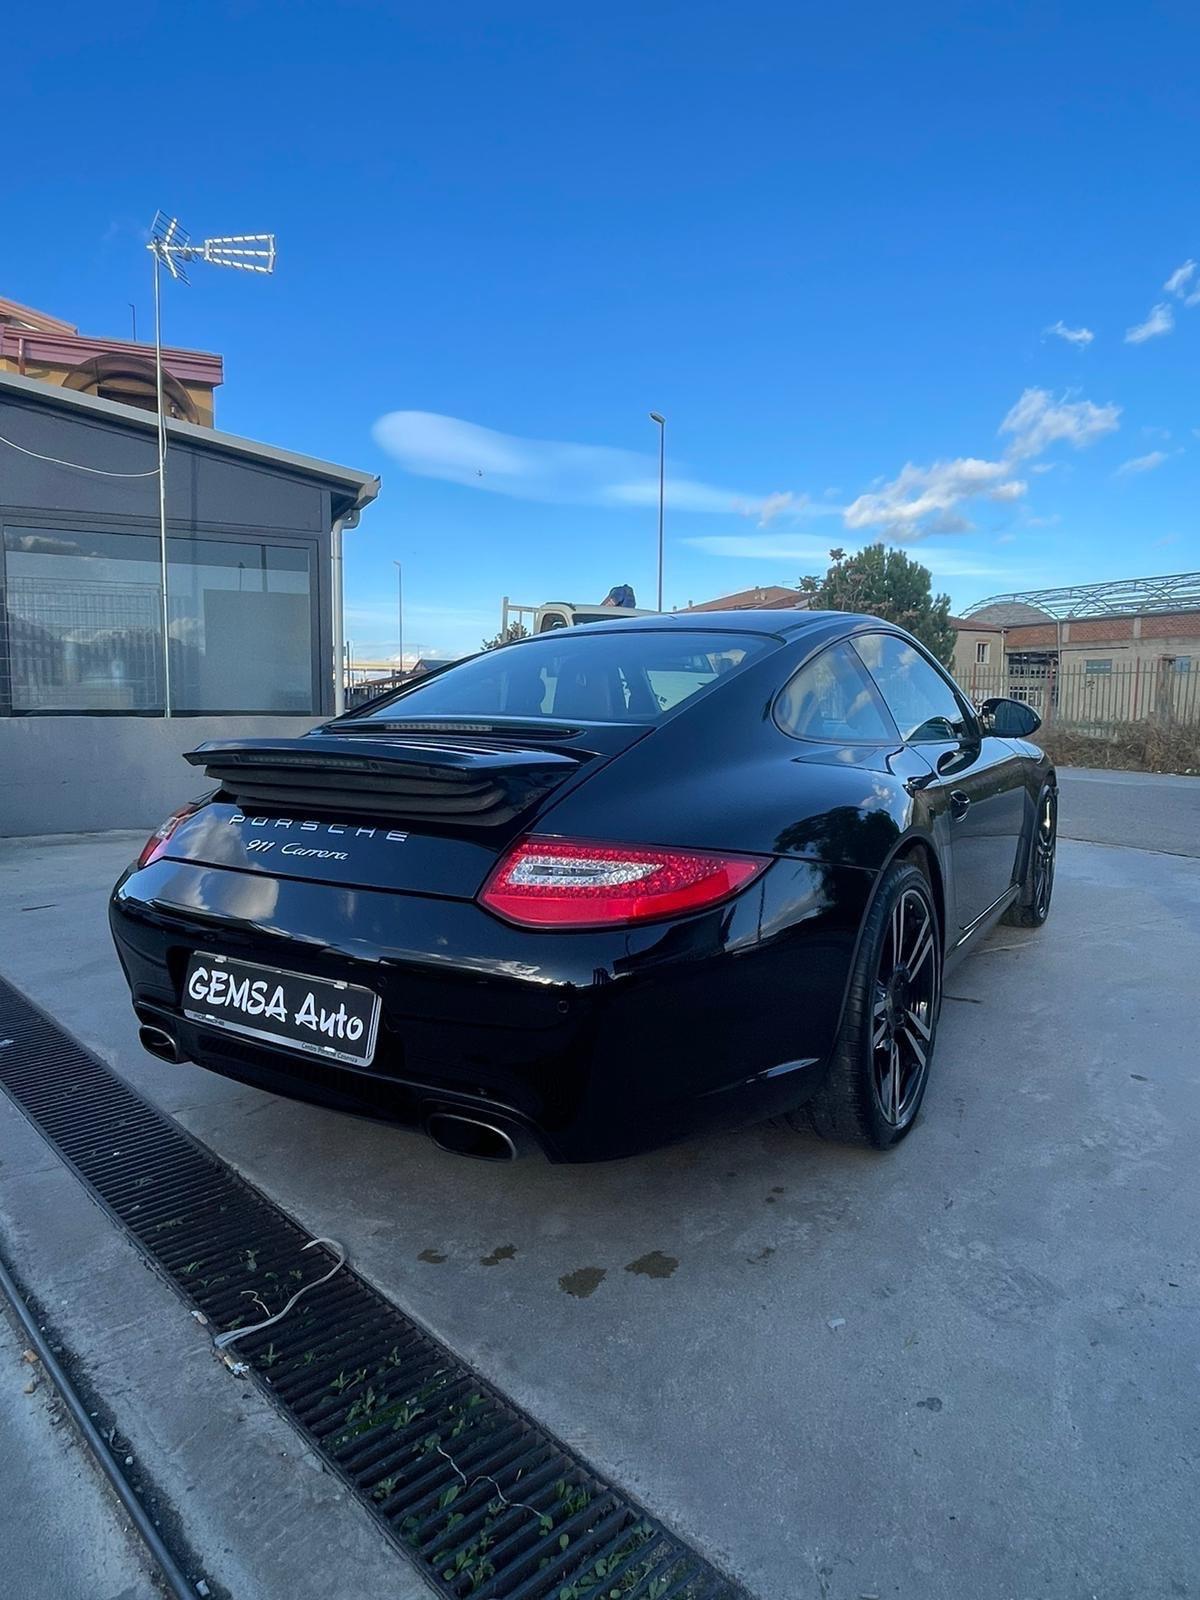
[36, 345]
[431, 664]
[766, 597]
[978, 652]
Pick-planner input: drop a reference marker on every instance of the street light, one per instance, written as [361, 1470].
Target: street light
[171, 247]
[656, 416]
[400, 610]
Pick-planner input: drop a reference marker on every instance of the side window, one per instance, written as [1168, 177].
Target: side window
[679, 678]
[924, 705]
[832, 697]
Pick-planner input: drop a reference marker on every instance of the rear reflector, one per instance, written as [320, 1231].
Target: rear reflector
[573, 883]
[157, 842]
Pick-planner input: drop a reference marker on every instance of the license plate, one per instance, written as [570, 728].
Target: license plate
[318, 1016]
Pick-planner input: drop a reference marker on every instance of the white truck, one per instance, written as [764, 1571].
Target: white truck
[562, 614]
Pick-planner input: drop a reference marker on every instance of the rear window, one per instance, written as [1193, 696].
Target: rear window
[577, 675]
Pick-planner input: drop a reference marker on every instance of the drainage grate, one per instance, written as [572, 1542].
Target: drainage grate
[486, 1502]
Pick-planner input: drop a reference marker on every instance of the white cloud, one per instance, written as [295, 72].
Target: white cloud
[771, 547]
[1079, 337]
[379, 618]
[1037, 421]
[1179, 280]
[923, 500]
[773, 505]
[1161, 320]
[814, 557]
[444, 630]
[555, 471]
[1137, 464]
[1167, 539]
[945, 563]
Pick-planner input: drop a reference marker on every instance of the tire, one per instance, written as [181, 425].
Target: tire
[1032, 906]
[896, 1001]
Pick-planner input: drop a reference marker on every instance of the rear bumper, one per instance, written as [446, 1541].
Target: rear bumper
[592, 1044]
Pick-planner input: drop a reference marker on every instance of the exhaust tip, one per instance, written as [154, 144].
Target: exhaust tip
[158, 1042]
[467, 1136]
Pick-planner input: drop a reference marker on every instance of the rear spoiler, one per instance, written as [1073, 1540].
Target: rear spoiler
[476, 784]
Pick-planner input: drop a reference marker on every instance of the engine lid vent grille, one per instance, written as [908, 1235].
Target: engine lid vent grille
[477, 784]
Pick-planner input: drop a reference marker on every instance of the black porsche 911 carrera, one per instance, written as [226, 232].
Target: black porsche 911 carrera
[601, 889]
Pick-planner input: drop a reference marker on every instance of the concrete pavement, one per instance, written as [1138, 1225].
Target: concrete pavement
[1149, 811]
[967, 1367]
[63, 1533]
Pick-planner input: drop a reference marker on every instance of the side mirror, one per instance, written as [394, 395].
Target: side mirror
[1011, 719]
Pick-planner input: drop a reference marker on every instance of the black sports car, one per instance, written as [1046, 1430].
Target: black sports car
[601, 889]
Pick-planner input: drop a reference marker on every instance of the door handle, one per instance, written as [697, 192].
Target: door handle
[959, 803]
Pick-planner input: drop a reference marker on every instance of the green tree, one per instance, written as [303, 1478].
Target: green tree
[515, 630]
[887, 584]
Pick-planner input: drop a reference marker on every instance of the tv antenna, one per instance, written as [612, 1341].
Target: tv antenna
[171, 247]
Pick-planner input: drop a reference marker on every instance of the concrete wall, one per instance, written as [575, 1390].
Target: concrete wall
[964, 667]
[79, 774]
[1166, 633]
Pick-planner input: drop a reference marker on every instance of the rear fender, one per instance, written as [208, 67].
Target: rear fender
[910, 846]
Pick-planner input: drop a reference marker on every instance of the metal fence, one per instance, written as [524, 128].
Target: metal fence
[1097, 697]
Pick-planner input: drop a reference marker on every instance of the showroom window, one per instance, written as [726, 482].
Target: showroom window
[84, 623]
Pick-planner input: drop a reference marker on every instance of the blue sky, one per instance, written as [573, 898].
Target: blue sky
[829, 243]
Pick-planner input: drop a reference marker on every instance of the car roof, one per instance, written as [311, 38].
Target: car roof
[777, 623]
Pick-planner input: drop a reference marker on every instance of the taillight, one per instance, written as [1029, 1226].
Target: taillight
[157, 842]
[573, 883]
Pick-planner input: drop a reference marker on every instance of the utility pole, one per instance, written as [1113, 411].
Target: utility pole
[172, 248]
[657, 417]
[400, 610]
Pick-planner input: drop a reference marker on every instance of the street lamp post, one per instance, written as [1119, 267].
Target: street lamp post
[656, 416]
[400, 611]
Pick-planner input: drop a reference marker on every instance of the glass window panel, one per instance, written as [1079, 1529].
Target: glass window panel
[832, 697]
[84, 630]
[240, 626]
[923, 704]
[580, 674]
[83, 621]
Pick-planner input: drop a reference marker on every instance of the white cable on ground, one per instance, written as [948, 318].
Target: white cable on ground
[76, 466]
[222, 1340]
[486, 1477]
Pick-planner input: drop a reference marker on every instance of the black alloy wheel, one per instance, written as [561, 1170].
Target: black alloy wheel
[1032, 907]
[905, 1007]
[880, 1064]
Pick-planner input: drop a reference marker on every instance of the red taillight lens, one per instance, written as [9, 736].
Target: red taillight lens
[157, 842]
[573, 883]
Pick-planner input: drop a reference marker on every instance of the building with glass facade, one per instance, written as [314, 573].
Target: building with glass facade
[252, 579]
